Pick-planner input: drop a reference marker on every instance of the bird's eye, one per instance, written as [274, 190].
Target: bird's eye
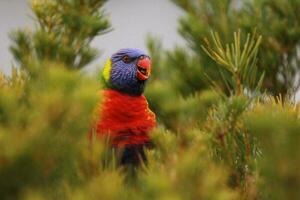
[141, 57]
[126, 59]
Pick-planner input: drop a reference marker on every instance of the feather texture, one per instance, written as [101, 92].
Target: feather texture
[126, 119]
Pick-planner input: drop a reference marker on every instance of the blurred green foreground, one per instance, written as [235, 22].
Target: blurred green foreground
[228, 124]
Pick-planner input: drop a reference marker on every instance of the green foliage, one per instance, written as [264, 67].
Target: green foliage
[182, 70]
[41, 137]
[230, 142]
[239, 63]
[218, 118]
[277, 128]
[277, 22]
[64, 31]
[171, 93]
[178, 170]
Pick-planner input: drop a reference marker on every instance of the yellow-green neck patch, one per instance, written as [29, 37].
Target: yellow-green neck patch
[106, 71]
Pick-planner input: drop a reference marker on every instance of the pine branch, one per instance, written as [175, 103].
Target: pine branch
[239, 61]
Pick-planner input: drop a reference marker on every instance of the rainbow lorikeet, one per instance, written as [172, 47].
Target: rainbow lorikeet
[124, 113]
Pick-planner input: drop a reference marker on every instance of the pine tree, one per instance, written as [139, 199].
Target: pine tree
[63, 33]
[277, 21]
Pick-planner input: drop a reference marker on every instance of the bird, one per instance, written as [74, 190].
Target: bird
[124, 113]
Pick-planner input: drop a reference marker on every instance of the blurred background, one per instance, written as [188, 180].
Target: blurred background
[132, 21]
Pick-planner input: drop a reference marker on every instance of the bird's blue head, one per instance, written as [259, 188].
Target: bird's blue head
[127, 71]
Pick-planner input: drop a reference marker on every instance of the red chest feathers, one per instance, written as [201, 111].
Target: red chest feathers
[126, 119]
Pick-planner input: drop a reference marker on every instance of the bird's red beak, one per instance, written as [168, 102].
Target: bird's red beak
[143, 68]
